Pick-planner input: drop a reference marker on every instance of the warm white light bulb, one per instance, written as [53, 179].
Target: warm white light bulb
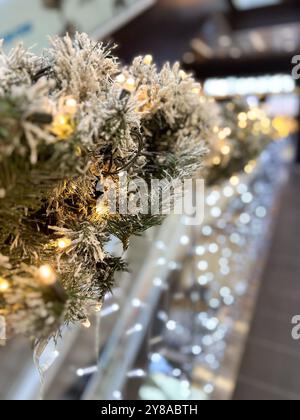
[60, 120]
[71, 102]
[129, 84]
[86, 324]
[47, 275]
[70, 105]
[216, 160]
[234, 180]
[64, 243]
[121, 78]
[98, 307]
[225, 150]
[148, 59]
[4, 285]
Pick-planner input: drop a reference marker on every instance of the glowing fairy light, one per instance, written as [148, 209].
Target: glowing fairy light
[61, 120]
[71, 102]
[225, 150]
[129, 84]
[243, 124]
[136, 373]
[184, 240]
[112, 309]
[70, 105]
[224, 133]
[234, 180]
[46, 275]
[62, 126]
[242, 116]
[86, 324]
[64, 243]
[196, 90]
[98, 307]
[121, 79]
[216, 160]
[4, 285]
[148, 59]
[135, 329]
[253, 114]
[249, 168]
[86, 371]
[227, 131]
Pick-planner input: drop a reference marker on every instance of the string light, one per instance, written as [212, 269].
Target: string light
[78, 153]
[126, 83]
[62, 126]
[196, 90]
[98, 307]
[117, 395]
[64, 243]
[249, 168]
[224, 133]
[121, 79]
[243, 124]
[234, 180]
[252, 115]
[171, 325]
[86, 371]
[228, 191]
[216, 160]
[110, 310]
[46, 275]
[284, 126]
[242, 116]
[63, 123]
[60, 120]
[225, 150]
[86, 324]
[129, 84]
[137, 373]
[227, 131]
[70, 105]
[4, 285]
[135, 329]
[148, 59]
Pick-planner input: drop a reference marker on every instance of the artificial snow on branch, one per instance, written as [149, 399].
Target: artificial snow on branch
[71, 122]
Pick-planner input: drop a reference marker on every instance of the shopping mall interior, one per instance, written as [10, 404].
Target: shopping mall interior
[97, 304]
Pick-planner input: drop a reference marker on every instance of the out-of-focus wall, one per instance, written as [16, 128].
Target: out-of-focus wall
[209, 4]
[31, 21]
[176, 3]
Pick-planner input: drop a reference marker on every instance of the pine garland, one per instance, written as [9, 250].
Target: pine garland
[246, 131]
[70, 122]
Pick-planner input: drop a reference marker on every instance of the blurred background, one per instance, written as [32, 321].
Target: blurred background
[206, 312]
